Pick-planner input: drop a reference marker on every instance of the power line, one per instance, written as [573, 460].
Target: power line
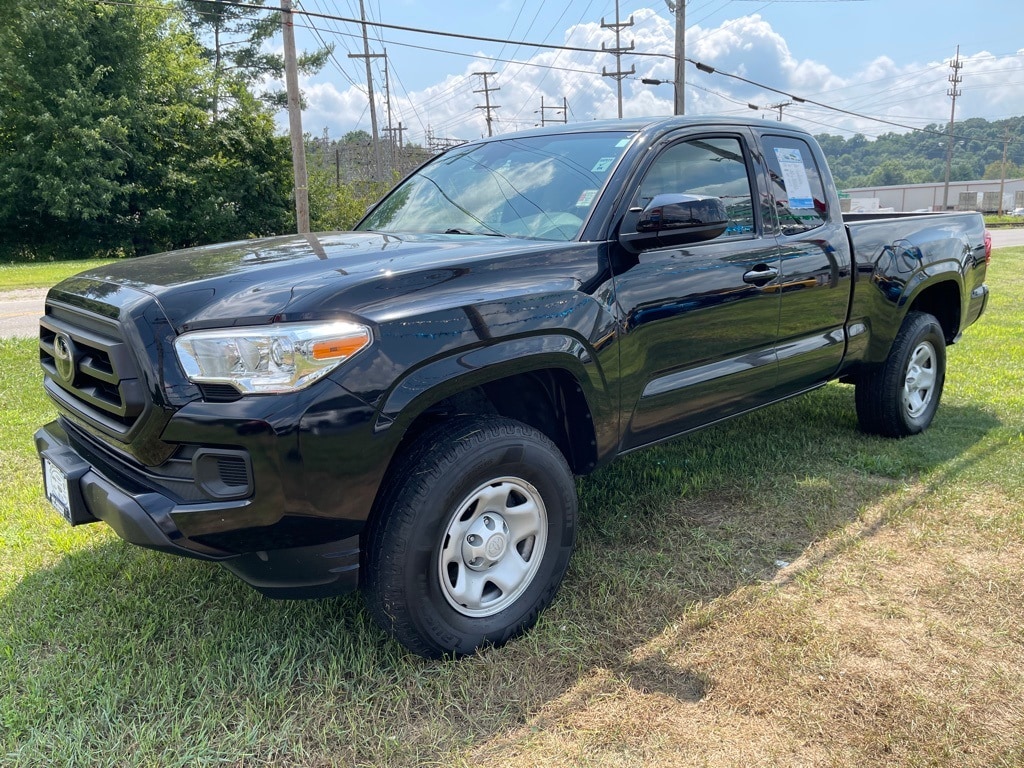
[417, 30]
[481, 56]
[712, 71]
[334, 60]
[617, 52]
[486, 91]
[546, 46]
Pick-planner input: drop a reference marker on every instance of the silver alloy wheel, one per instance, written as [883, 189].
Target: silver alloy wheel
[919, 384]
[492, 547]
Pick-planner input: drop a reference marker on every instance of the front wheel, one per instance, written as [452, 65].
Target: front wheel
[900, 397]
[472, 536]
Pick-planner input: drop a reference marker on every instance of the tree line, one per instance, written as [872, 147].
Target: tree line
[131, 128]
[920, 157]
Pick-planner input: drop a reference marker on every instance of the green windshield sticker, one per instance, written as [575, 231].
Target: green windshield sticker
[603, 165]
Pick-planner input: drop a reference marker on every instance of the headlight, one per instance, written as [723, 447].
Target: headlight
[273, 358]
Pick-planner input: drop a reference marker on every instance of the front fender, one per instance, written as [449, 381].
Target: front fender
[440, 379]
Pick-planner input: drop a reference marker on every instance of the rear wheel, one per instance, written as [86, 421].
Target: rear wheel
[900, 397]
[472, 536]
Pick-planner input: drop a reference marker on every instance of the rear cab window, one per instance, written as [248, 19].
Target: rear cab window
[796, 186]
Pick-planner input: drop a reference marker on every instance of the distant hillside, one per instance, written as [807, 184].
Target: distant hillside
[919, 157]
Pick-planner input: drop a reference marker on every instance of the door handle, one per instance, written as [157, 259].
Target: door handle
[760, 274]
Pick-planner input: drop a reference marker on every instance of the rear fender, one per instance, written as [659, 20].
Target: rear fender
[898, 283]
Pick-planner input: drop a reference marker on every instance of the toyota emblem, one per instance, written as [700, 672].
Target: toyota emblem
[64, 358]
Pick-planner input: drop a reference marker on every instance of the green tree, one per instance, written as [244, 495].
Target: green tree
[356, 137]
[996, 170]
[888, 173]
[333, 207]
[106, 142]
[234, 41]
[978, 144]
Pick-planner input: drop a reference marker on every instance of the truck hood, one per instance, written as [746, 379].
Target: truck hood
[309, 277]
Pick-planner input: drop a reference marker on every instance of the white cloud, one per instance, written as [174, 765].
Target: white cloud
[912, 93]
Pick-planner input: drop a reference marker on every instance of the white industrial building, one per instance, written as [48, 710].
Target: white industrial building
[963, 196]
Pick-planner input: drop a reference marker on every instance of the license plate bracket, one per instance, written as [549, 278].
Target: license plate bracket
[61, 475]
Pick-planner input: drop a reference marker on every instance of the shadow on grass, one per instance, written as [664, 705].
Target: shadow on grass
[117, 649]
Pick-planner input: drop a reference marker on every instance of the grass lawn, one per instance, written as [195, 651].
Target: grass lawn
[777, 590]
[43, 274]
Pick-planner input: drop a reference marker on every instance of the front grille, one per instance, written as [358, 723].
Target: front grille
[173, 476]
[190, 474]
[90, 369]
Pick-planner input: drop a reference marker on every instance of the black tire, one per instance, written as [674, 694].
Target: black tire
[471, 537]
[899, 397]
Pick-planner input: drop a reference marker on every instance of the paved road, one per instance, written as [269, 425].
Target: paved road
[20, 310]
[1006, 238]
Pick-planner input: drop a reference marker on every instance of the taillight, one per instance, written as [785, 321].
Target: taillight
[988, 246]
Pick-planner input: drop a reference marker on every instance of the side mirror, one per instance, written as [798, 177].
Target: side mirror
[673, 219]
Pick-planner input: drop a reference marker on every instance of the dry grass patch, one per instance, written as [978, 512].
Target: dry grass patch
[875, 647]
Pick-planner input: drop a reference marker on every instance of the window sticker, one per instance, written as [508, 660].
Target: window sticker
[622, 143]
[794, 176]
[603, 165]
[586, 198]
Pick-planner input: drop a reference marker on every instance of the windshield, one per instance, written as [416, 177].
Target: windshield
[538, 187]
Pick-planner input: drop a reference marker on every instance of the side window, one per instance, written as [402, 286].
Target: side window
[796, 184]
[711, 166]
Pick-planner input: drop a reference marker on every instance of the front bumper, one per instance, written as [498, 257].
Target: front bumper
[146, 516]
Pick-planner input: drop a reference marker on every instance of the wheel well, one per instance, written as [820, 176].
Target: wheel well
[549, 400]
[943, 302]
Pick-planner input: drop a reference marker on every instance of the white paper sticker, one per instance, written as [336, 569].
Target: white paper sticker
[603, 165]
[622, 143]
[586, 198]
[794, 176]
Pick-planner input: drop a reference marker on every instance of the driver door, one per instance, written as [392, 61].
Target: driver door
[700, 321]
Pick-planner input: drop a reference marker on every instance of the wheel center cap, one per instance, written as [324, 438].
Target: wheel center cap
[486, 542]
[495, 546]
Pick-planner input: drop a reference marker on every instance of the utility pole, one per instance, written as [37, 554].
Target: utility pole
[387, 100]
[564, 109]
[1002, 171]
[291, 79]
[780, 106]
[369, 87]
[617, 51]
[678, 7]
[954, 79]
[486, 91]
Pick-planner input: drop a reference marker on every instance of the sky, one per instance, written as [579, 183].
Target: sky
[886, 59]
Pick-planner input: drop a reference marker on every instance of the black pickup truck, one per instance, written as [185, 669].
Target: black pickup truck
[404, 407]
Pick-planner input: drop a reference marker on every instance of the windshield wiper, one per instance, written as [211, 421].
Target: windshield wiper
[460, 231]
